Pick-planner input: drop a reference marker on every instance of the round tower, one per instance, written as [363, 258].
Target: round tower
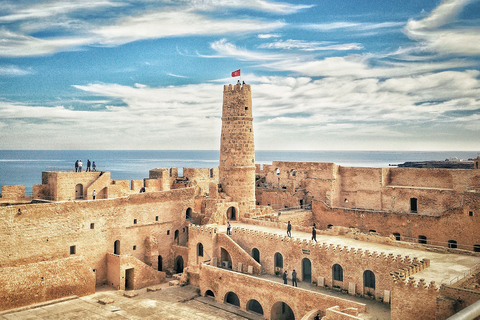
[237, 149]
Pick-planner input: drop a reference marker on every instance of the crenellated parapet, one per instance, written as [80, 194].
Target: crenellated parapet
[403, 264]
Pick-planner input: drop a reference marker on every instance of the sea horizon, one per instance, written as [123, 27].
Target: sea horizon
[24, 167]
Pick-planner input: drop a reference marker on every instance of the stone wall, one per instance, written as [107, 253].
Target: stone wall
[322, 257]
[268, 293]
[414, 300]
[42, 281]
[460, 224]
[50, 231]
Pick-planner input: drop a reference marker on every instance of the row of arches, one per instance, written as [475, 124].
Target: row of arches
[337, 270]
[280, 310]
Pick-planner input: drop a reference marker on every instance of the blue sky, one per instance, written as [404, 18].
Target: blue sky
[325, 75]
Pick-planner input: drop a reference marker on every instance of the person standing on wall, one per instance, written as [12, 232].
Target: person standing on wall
[80, 165]
[76, 166]
[94, 166]
[94, 194]
[294, 278]
[289, 229]
[229, 226]
[285, 277]
[314, 234]
[88, 165]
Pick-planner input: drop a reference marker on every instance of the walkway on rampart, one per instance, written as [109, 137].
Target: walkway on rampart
[443, 266]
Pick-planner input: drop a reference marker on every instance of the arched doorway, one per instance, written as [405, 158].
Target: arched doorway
[179, 264]
[159, 268]
[254, 306]
[116, 247]
[176, 238]
[232, 298]
[231, 213]
[306, 270]
[369, 283]
[282, 311]
[278, 260]
[79, 191]
[188, 214]
[256, 254]
[226, 259]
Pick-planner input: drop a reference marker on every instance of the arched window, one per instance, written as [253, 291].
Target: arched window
[452, 244]
[254, 306]
[422, 239]
[277, 171]
[188, 214]
[232, 298]
[293, 173]
[278, 259]
[337, 272]
[116, 247]
[200, 249]
[256, 254]
[369, 279]
[209, 293]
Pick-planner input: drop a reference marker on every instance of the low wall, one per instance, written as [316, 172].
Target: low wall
[267, 293]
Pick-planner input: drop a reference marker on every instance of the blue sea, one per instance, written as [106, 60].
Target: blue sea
[24, 167]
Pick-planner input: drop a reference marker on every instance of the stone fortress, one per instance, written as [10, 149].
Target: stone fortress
[407, 239]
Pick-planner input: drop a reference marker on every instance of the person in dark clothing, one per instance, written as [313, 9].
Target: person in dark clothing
[88, 165]
[285, 277]
[314, 234]
[317, 317]
[76, 166]
[289, 229]
[294, 278]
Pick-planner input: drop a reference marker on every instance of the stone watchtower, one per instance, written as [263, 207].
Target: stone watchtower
[237, 149]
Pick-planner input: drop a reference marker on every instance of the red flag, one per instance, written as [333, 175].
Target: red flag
[236, 73]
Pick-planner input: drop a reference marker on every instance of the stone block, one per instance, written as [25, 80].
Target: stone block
[240, 266]
[321, 282]
[250, 269]
[351, 288]
[386, 296]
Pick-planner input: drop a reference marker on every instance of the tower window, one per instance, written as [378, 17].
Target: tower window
[470, 213]
[73, 249]
[92, 225]
[413, 205]
[134, 221]
[134, 247]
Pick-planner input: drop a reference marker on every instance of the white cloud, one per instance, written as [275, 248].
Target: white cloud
[11, 70]
[260, 5]
[435, 34]
[176, 23]
[310, 46]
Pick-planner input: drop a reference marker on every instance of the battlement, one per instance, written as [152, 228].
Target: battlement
[201, 229]
[236, 87]
[405, 265]
[412, 283]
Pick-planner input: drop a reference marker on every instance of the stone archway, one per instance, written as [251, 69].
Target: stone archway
[179, 264]
[282, 311]
[232, 214]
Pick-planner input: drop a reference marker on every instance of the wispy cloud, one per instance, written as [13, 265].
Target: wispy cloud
[310, 46]
[12, 70]
[435, 33]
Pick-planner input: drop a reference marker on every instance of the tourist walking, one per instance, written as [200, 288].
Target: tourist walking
[88, 165]
[294, 278]
[314, 234]
[229, 226]
[289, 229]
[285, 275]
[80, 165]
